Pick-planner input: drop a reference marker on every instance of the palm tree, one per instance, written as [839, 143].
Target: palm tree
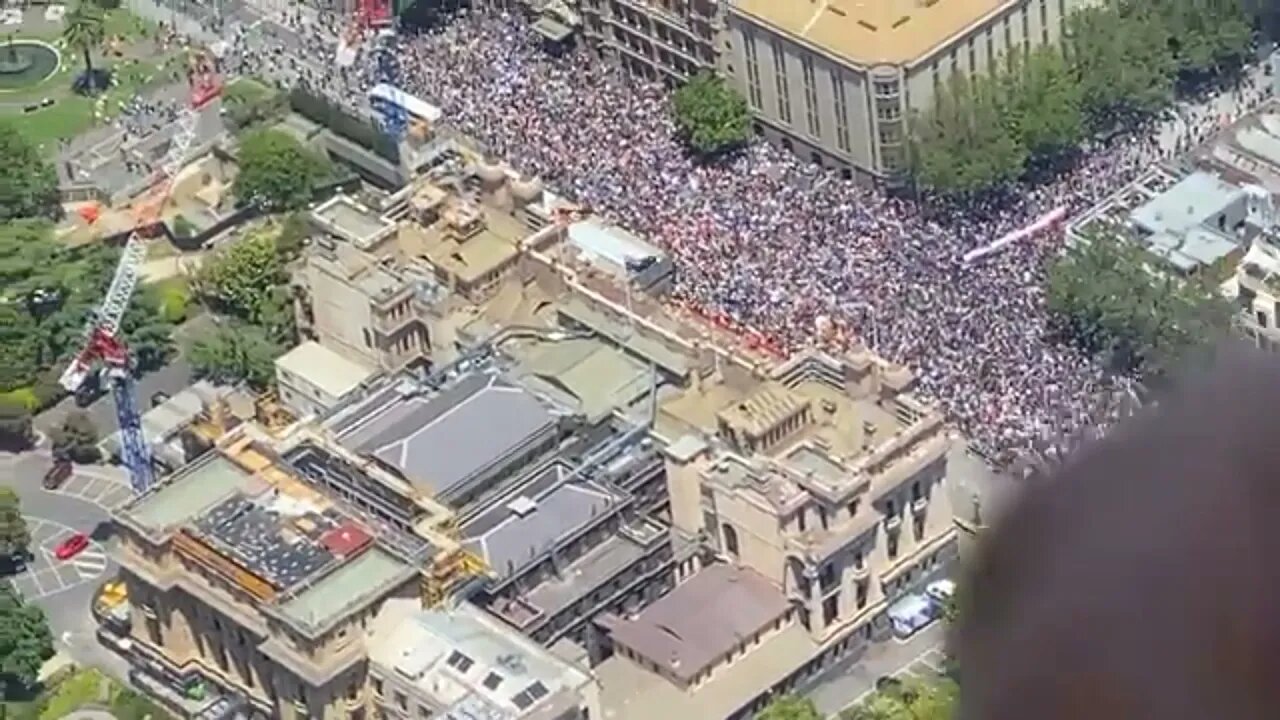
[85, 30]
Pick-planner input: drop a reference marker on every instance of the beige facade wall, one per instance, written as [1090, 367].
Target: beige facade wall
[852, 116]
[341, 313]
[663, 40]
[195, 620]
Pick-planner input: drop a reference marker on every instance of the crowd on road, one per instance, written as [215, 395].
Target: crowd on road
[773, 243]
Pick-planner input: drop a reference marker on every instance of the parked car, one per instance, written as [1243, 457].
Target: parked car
[71, 547]
[57, 474]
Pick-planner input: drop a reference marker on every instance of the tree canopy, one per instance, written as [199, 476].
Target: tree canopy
[790, 707]
[934, 699]
[85, 29]
[28, 184]
[1111, 298]
[711, 114]
[276, 172]
[963, 146]
[49, 291]
[25, 641]
[1120, 64]
[15, 424]
[247, 280]
[14, 535]
[234, 352]
[76, 439]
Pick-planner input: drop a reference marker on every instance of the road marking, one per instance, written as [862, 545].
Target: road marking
[91, 489]
[35, 581]
[46, 575]
[903, 670]
[90, 564]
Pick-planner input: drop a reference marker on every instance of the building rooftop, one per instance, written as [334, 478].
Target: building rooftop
[630, 692]
[702, 619]
[470, 258]
[870, 32]
[535, 519]
[188, 493]
[351, 221]
[594, 378]
[349, 586]
[1192, 202]
[242, 517]
[586, 573]
[763, 409]
[333, 373]
[475, 667]
[441, 439]
[611, 248]
[621, 334]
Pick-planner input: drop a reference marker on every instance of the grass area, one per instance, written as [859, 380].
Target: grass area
[72, 114]
[81, 688]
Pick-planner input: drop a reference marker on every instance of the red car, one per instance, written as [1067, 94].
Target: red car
[71, 547]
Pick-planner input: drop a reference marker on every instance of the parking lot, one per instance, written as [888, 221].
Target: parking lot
[46, 575]
[928, 665]
[98, 486]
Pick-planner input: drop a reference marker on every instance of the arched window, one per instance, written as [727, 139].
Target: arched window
[730, 540]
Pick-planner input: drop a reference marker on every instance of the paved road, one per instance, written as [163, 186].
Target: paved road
[66, 589]
[917, 656]
[170, 379]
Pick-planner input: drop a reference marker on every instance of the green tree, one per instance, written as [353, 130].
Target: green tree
[1122, 62]
[28, 184]
[236, 352]
[15, 425]
[1205, 37]
[248, 281]
[25, 642]
[76, 439]
[935, 699]
[14, 536]
[962, 145]
[712, 115]
[1106, 296]
[790, 707]
[293, 234]
[85, 30]
[1042, 103]
[276, 172]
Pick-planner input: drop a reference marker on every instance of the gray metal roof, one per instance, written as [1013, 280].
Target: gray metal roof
[521, 528]
[711, 613]
[1193, 201]
[440, 441]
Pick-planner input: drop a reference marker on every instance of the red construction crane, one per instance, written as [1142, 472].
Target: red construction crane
[103, 344]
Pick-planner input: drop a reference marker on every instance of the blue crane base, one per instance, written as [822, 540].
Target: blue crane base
[134, 450]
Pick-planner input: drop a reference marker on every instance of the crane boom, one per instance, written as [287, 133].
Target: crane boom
[102, 342]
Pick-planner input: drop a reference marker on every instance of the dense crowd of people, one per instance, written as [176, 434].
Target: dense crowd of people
[773, 242]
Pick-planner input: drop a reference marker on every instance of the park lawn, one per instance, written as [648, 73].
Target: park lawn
[72, 114]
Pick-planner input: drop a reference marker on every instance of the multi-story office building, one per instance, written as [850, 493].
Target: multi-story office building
[821, 488]
[459, 663]
[255, 581]
[837, 81]
[665, 40]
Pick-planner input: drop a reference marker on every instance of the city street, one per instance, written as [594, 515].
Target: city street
[920, 655]
[170, 380]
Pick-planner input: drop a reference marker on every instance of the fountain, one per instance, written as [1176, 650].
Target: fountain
[24, 63]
